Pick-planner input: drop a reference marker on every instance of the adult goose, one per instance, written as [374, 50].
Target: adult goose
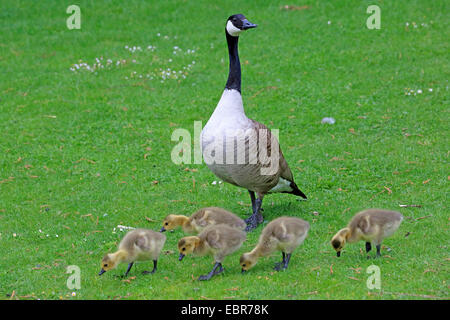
[239, 150]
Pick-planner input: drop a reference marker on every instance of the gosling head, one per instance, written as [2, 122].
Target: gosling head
[339, 240]
[109, 262]
[247, 261]
[187, 245]
[169, 223]
[238, 23]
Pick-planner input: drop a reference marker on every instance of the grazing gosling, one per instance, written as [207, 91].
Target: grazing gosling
[371, 225]
[284, 234]
[203, 218]
[137, 245]
[216, 240]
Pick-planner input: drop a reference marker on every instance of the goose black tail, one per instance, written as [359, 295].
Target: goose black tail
[296, 191]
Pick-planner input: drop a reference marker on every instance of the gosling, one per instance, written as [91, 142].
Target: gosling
[284, 234]
[216, 240]
[201, 219]
[137, 245]
[371, 225]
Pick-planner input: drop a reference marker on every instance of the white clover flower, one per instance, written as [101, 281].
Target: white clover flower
[431, 89]
[419, 91]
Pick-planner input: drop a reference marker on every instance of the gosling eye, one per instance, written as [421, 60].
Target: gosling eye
[244, 265]
[184, 249]
[166, 224]
[105, 265]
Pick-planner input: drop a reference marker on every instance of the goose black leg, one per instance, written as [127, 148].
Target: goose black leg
[155, 263]
[253, 198]
[128, 270]
[368, 248]
[378, 250]
[286, 263]
[279, 264]
[213, 272]
[256, 218]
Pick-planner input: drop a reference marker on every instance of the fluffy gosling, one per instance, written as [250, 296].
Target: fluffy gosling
[201, 219]
[284, 234]
[216, 240]
[137, 245]
[372, 225]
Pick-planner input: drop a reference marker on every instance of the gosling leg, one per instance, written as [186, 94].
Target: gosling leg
[129, 268]
[279, 264]
[212, 272]
[378, 250]
[368, 248]
[155, 263]
[286, 263]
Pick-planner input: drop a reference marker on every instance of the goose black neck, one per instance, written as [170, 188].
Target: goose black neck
[234, 75]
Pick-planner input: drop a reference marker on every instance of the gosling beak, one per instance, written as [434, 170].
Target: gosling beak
[101, 272]
[181, 257]
[248, 25]
[243, 271]
[338, 254]
[162, 229]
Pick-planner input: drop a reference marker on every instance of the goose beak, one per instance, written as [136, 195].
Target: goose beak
[101, 272]
[248, 25]
[243, 271]
[338, 254]
[181, 257]
[162, 229]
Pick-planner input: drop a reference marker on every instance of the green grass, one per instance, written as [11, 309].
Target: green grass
[82, 152]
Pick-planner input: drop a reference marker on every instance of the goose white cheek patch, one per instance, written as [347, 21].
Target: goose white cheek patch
[232, 30]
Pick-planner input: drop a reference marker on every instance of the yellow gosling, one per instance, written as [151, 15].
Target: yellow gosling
[371, 225]
[137, 245]
[216, 240]
[201, 219]
[283, 234]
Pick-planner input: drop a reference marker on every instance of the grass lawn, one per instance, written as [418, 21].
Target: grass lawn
[85, 151]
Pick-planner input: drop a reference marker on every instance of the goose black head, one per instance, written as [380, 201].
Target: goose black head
[238, 23]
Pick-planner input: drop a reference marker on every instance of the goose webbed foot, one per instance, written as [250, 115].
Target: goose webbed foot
[278, 266]
[283, 264]
[213, 272]
[155, 262]
[252, 222]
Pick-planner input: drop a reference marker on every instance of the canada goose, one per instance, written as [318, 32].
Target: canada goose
[216, 240]
[201, 219]
[236, 148]
[137, 245]
[284, 234]
[371, 225]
